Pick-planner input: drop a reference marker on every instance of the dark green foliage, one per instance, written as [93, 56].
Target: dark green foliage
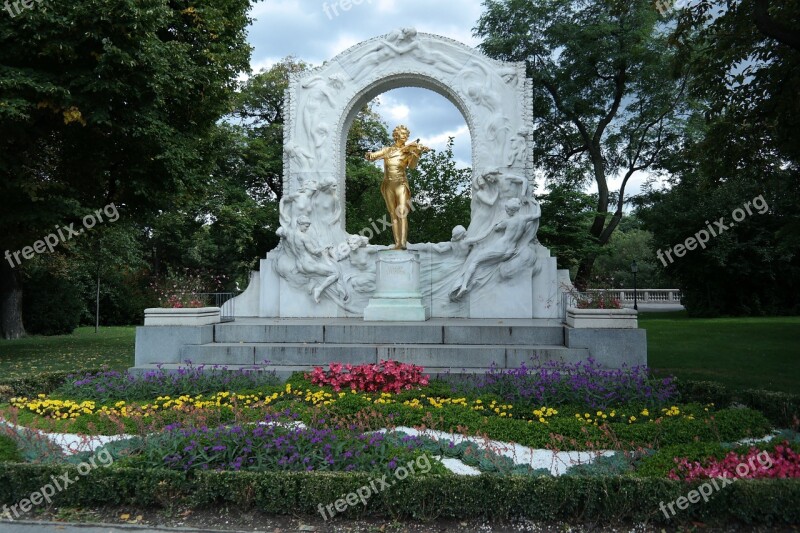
[780, 408]
[41, 383]
[588, 60]
[52, 303]
[567, 215]
[442, 197]
[603, 466]
[579, 498]
[8, 450]
[657, 464]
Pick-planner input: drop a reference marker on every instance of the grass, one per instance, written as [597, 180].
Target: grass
[739, 352]
[753, 352]
[112, 346]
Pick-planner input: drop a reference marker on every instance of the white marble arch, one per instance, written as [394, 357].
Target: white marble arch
[320, 271]
[494, 97]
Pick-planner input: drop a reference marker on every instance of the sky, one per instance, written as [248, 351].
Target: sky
[317, 30]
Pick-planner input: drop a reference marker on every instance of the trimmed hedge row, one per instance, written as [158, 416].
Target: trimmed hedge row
[780, 408]
[597, 499]
[42, 383]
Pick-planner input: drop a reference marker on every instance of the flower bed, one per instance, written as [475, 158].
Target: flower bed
[596, 422]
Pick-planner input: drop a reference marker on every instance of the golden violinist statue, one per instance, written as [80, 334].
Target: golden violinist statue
[395, 190]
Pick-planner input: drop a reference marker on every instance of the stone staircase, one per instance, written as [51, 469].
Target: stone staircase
[439, 345]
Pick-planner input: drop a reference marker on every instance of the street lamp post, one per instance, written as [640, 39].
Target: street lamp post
[635, 270]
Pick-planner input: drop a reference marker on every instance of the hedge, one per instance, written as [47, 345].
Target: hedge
[598, 499]
[41, 383]
[780, 408]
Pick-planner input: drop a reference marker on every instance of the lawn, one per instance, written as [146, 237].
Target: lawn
[739, 352]
[761, 352]
[112, 346]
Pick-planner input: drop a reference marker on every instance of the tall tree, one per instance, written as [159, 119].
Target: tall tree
[742, 143]
[105, 101]
[606, 98]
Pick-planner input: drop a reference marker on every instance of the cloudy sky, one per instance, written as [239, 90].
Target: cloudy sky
[318, 30]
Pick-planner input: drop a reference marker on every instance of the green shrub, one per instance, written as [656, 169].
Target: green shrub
[9, 450]
[41, 383]
[704, 392]
[601, 500]
[658, 463]
[782, 409]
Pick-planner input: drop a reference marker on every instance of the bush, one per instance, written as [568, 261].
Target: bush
[9, 450]
[603, 500]
[782, 409]
[52, 304]
[42, 383]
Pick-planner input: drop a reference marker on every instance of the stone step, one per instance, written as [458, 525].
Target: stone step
[286, 371]
[343, 331]
[308, 355]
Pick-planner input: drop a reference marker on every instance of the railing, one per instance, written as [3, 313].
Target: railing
[625, 297]
[645, 296]
[225, 301]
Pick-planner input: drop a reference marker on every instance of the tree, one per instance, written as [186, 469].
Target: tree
[567, 215]
[741, 143]
[606, 96]
[107, 101]
[442, 196]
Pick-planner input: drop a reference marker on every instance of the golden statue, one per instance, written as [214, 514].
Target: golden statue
[395, 190]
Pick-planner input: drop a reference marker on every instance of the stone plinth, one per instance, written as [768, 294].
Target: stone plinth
[602, 318]
[199, 316]
[397, 295]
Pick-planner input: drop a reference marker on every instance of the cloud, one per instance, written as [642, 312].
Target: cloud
[317, 30]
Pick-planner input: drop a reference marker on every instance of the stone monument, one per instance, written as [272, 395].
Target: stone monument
[491, 296]
[495, 268]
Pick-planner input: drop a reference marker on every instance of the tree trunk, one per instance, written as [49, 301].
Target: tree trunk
[584, 273]
[11, 302]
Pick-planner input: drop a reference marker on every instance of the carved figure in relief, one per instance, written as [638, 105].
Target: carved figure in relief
[326, 213]
[299, 155]
[297, 204]
[311, 261]
[402, 42]
[321, 94]
[517, 148]
[510, 237]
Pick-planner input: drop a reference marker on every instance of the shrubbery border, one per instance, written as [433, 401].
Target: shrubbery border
[586, 499]
[780, 408]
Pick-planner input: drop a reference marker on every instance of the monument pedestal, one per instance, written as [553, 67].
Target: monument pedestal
[397, 295]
